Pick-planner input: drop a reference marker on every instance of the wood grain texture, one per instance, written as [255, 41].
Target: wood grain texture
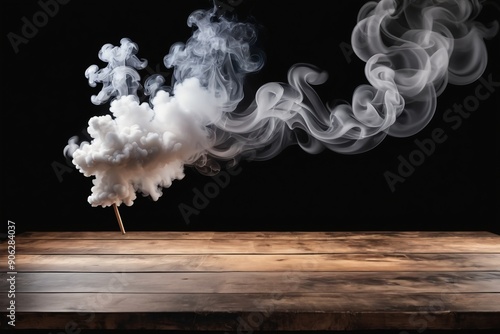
[160, 235]
[247, 263]
[259, 246]
[258, 282]
[248, 281]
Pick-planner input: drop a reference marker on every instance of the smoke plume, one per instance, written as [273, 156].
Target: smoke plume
[412, 51]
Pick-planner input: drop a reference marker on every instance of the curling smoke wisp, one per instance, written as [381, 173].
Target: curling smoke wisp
[412, 51]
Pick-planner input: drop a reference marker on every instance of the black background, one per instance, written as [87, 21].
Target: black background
[47, 101]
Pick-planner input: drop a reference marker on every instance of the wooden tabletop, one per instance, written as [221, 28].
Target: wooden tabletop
[247, 281]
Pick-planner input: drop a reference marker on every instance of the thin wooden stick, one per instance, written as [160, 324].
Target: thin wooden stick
[117, 213]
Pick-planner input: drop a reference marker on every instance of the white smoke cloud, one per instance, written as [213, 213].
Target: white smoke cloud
[412, 51]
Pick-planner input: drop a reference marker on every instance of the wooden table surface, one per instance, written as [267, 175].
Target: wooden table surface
[249, 281]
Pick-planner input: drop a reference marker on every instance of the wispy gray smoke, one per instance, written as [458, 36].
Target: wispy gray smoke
[412, 51]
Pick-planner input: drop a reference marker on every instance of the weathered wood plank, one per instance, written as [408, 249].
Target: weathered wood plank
[258, 246]
[258, 302]
[258, 282]
[246, 263]
[248, 322]
[275, 235]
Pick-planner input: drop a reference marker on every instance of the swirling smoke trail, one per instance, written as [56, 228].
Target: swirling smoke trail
[412, 50]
